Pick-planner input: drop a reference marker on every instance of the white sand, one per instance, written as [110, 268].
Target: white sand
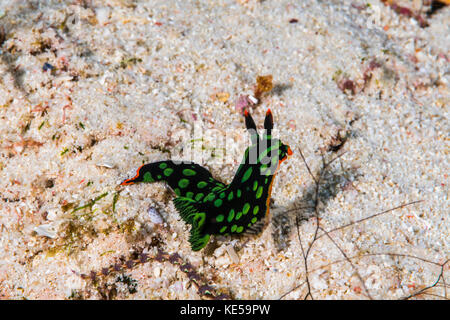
[132, 81]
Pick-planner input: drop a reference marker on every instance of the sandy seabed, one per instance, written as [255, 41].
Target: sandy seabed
[90, 90]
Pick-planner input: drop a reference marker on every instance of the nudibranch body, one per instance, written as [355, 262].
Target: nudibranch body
[214, 208]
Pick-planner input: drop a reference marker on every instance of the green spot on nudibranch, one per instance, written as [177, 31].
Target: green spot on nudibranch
[199, 196]
[177, 191]
[202, 184]
[255, 185]
[167, 172]
[189, 172]
[199, 218]
[209, 197]
[265, 170]
[163, 165]
[230, 196]
[254, 219]
[220, 218]
[255, 210]
[239, 229]
[266, 152]
[259, 192]
[230, 215]
[274, 161]
[223, 229]
[218, 203]
[246, 208]
[238, 215]
[183, 183]
[247, 174]
[222, 195]
[233, 228]
[148, 177]
[189, 194]
[239, 192]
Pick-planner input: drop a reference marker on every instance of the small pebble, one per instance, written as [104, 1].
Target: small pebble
[106, 164]
[47, 66]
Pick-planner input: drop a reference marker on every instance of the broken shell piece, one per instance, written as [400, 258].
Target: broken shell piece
[154, 216]
[253, 99]
[106, 164]
[219, 251]
[46, 230]
[232, 253]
